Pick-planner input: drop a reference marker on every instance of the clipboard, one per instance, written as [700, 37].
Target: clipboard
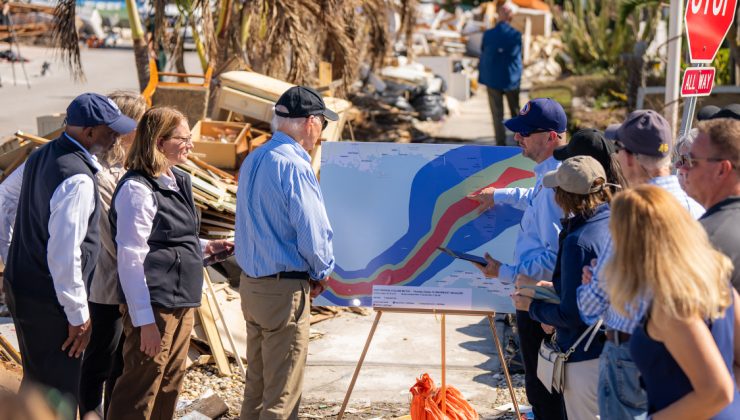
[463, 256]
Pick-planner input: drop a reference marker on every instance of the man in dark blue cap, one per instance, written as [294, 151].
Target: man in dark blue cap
[55, 245]
[644, 144]
[539, 129]
[280, 202]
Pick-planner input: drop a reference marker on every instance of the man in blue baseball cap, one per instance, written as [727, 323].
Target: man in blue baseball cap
[539, 129]
[280, 202]
[55, 244]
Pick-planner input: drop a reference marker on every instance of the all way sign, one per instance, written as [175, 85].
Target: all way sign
[697, 81]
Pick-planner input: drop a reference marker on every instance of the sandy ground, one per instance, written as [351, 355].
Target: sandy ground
[106, 70]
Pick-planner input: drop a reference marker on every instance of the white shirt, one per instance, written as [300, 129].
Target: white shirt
[71, 206]
[10, 191]
[136, 208]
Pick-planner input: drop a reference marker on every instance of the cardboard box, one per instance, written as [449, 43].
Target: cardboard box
[224, 155]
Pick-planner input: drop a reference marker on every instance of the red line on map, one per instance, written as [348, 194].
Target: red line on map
[448, 219]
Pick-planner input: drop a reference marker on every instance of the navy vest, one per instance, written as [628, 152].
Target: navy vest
[27, 269]
[174, 265]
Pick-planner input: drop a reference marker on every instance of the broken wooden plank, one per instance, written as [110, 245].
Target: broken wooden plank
[208, 322]
[9, 352]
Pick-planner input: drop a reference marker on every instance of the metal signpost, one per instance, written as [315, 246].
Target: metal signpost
[707, 23]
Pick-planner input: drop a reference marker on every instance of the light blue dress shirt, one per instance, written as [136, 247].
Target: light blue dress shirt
[537, 244]
[593, 300]
[281, 222]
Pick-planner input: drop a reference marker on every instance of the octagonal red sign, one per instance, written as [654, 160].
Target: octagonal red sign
[707, 23]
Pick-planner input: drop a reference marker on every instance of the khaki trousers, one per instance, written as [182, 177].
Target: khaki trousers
[581, 390]
[148, 386]
[277, 313]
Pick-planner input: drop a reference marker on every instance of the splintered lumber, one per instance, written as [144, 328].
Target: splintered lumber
[30, 137]
[214, 192]
[205, 166]
[7, 352]
[209, 284]
[208, 322]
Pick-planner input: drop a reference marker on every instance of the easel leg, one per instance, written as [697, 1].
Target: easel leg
[359, 365]
[503, 365]
[443, 390]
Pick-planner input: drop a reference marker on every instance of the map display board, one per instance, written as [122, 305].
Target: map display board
[392, 206]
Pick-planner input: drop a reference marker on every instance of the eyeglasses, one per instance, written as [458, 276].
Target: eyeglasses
[323, 120]
[688, 161]
[183, 140]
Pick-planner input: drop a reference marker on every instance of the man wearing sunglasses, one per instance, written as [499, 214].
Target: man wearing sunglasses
[644, 143]
[286, 253]
[539, 129]
[712, 177]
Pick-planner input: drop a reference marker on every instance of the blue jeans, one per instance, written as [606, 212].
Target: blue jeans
[620, 394]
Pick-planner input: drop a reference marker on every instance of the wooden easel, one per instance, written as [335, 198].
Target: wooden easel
[443, 313]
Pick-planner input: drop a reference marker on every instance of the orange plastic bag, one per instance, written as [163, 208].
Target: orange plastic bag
[426, 402]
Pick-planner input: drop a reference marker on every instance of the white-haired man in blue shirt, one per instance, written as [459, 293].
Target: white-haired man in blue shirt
[284, 247]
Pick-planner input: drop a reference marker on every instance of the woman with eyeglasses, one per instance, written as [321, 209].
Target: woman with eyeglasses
[686, 346]
[160, 265]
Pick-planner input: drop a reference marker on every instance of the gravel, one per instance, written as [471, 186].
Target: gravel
[203, 380]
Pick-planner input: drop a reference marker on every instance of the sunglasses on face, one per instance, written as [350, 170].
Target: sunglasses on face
[687, 161]
[535, 131]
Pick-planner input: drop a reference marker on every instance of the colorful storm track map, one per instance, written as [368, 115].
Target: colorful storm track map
[393, 205]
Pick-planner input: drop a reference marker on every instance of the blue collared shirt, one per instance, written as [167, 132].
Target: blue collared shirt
[501, 58]
[593, 300]
[537, 244]
[281, 222]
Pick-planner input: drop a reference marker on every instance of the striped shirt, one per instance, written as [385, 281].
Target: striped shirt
[593, 300]
[281, 222]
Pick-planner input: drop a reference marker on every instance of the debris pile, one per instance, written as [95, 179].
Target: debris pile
[542, 66]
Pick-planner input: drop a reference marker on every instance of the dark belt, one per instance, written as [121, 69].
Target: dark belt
[294, 275]
[617, 337]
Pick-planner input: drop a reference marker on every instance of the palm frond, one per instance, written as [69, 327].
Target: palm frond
[65, 38]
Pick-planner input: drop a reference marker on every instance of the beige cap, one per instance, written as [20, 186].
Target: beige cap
[576, 175]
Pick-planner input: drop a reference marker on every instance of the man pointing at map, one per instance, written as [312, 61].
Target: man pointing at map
[539, 128]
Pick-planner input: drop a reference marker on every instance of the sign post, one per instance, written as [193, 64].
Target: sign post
[707, 23]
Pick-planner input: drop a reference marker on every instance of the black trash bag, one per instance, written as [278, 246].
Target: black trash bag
[430, 106]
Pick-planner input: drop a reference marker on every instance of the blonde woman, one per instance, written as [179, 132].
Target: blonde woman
[686, 347]
[160, 266]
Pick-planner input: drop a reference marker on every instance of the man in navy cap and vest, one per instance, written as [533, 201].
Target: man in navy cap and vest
[539, 129]
[279, 202]
[55, 245]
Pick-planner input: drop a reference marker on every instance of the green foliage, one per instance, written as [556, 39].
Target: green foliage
[722, 64]
[596, 33]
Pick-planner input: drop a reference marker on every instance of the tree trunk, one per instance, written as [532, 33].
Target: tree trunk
[141, 49]
[141, 55]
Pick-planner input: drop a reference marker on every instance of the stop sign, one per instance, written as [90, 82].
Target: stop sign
[707, 23]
